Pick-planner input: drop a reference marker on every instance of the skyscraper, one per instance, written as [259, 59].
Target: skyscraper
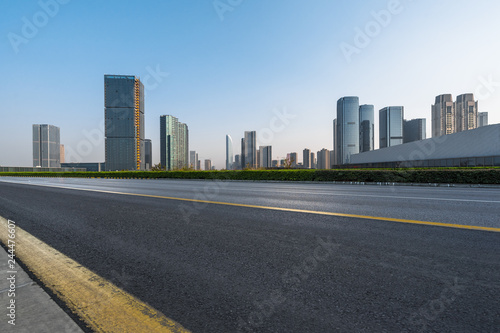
[347, 129]
[414, 130]
[266, 156]
[334, 161]
[443, 116]
[250, 143]
[391, 126]
[306, 158]
[366, 128]
[148, 154]
[313, 161]
[193, 160]
[124, 118]
[293, 160]
[242, 155]
[466, 113]
[208, 165]
[482, 119]
[237, 162]
[229, 152]
[46, 146]
[174, 143]
[323, 159]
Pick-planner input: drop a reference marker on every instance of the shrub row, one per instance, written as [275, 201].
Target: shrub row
[453, 176]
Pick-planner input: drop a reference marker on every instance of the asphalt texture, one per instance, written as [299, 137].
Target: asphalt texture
[219, 268]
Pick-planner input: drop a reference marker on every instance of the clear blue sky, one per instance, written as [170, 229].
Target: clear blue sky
[229, 75]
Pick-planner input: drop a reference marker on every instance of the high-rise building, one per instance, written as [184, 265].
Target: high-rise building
[124, 118]
[414, 130]
[482, 119]
[174, 143]
[242, 155]
[334, 162]
[323, 159]
[193, 160]
[237, 162]
[347, 129]
[332, 157]
[313, 161]
[466, 113]
[443, 116]
[229, 152]
[391, 126]
[198, 165]
[266, 156]
[258, 158]
[46, 146]
[250, 143]
[306, 158]
[62, 155]
[366, 128]
[148, 154]
[208, 165]
[293, 160]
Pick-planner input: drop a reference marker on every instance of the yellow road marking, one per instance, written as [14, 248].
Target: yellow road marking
[99, 303]
[390, 219]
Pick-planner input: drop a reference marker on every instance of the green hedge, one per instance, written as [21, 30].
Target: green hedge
[452, 176]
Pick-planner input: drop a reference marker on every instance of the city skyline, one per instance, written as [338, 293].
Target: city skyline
[208, 71]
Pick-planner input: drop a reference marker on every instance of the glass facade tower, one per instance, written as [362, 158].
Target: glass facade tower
[366, 128]
[174, 143]
[229, 153]
[391, 126]
[347, 129]
[46, 146]
[124, 118]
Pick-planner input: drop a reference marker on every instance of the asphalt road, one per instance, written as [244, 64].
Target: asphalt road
[220, 268]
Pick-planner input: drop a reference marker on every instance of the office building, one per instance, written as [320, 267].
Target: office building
[313, 161]
[242, 155]
[391, 126]
[249, 147]
[292, 157]
[306, 158]
[46, 146]
[482, 119]
[229, 153]
[266, 156]
[208, 165]
[414, 130]
[323, 159]
[366, 128]
[465, 113]
[443, 116]
[237, 162]
[148, 154]
[193, 160]
[332, 157]
[347, 130]
[198, 165]
[124, 122]
[174, 143]
[334, 161]
[258, 158]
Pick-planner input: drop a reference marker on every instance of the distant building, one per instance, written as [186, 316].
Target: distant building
[334, 162]
[237, 163]
[266, 156]
[250, 149]
[332, 157]
[275, 164]
[443, 116]
[198, 165]
[293, 159]
[313, 161]
[259, 165]
[306, 158]
[62, 154]
[229, 152]
[208, 165]
[124, 122]
[242, 155]
[347, 129]
[414, 130]
[466, 113]
[391, 126]
[323, 159]
[193, 160]
[366, 128]
[148, 154]
[482, 119]
[46, 146]
[174, 143]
